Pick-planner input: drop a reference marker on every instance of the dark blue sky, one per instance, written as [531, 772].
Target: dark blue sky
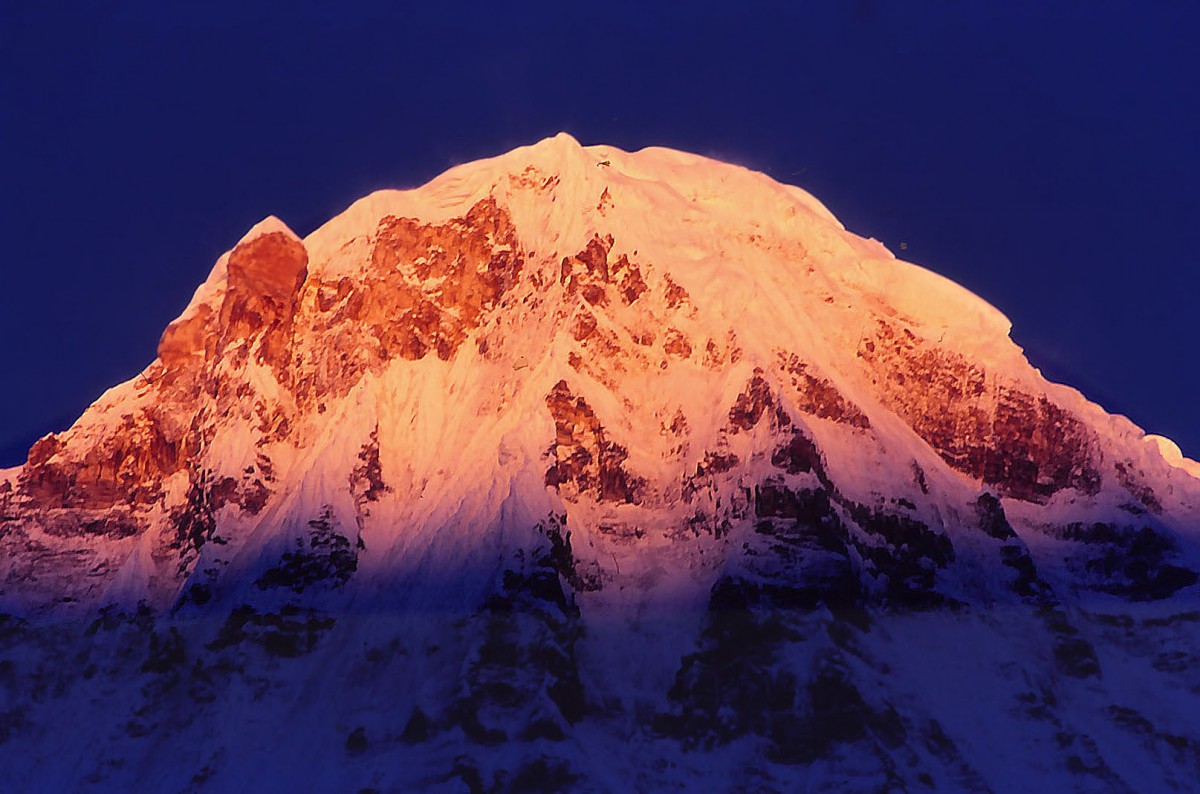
[1042, 154]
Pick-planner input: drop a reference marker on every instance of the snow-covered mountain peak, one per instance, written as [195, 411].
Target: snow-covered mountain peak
[268, 225]
[643, 438]
[656, 285]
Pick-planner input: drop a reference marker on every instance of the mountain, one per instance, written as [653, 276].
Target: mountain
[592, 470]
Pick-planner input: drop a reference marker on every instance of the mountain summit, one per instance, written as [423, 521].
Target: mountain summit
[574, 450]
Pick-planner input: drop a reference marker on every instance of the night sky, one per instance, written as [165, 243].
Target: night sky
[1043, 154]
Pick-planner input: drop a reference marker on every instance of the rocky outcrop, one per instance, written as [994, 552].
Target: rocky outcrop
[184, 339]
[325, 557]
[258, 312]
[1138, 562]
[818, 396]
[752, 403]
[587, 461]
[127, 467]
[427, 288]
[591, 272]
[1023, 444]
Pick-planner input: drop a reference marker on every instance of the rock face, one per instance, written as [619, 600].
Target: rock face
[1023, 444]
[265, 275]
[574, 452]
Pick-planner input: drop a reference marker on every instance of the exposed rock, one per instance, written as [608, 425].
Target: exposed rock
[584, 326]
[797, 455]
[265, 275]
[1134, 562]
[675, 295]
[818, 396]
[676, 344]
[991, 517]
[585, 459]
[366, 480]
[185, 339]
[1073, 655]
[1137, 487]
[126, 467]
[907, 551]
[289, 633]
[593, 270]
[522, 672]
[751, 404]
[194, 522]
[428, 288]
[1023, 444]
[326, 558]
